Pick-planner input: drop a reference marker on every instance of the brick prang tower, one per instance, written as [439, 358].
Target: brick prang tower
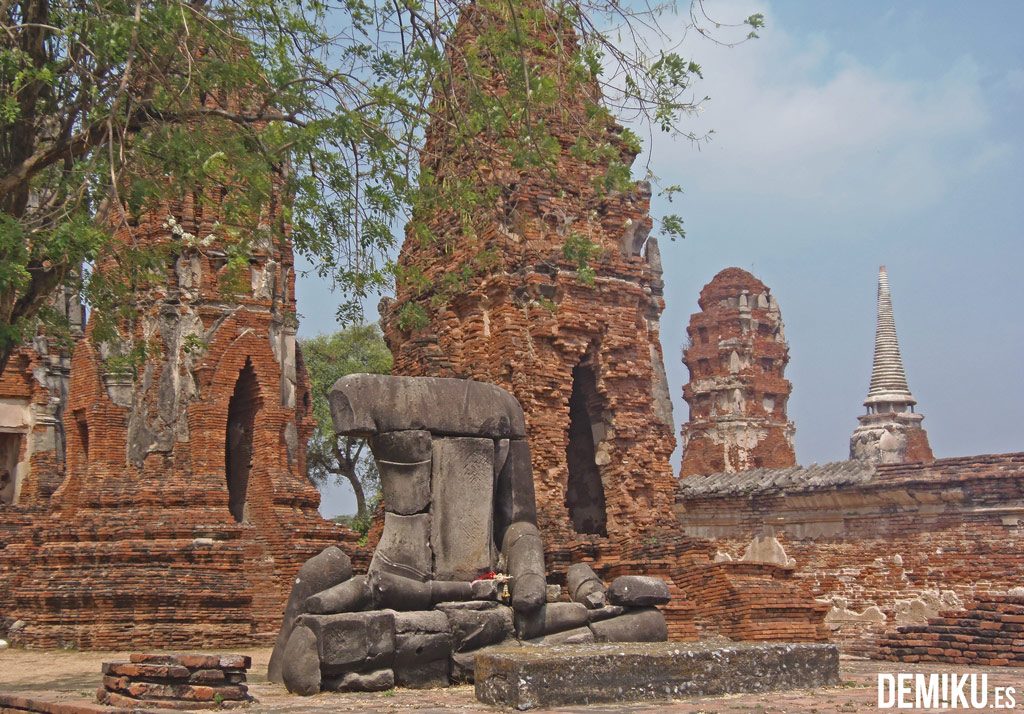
[582, 355]
[185, 510]
[737, 392]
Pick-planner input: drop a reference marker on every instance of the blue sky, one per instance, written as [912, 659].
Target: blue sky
[854, 134]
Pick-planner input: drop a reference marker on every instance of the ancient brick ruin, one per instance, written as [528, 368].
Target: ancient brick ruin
[888, 539]
[460, 563]
[583, 357]
[880, 545]
[737, 393]
[176, 682]
[989, 632]
[166, 501]
[890, 432]
[33, 396]
[33, 393]
[189, 463]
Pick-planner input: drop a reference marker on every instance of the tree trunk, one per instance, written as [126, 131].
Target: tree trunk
[350, 474]
[347, 468]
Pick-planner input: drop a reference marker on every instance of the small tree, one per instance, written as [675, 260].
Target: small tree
[329, 457]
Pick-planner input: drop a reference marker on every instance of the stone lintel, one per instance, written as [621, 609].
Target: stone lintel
[368, 404]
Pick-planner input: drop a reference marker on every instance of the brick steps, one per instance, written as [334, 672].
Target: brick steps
[105, 581]
[990, 631]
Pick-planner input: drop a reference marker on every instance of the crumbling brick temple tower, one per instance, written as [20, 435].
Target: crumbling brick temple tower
[33, 393]
[578, 345]
[890, 432]
[503, 297]
[737, 392]
[185, 510]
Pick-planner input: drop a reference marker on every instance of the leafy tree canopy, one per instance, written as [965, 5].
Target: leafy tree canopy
[107, 106]
[330, 458]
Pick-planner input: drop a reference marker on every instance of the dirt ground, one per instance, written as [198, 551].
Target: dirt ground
[74, 676]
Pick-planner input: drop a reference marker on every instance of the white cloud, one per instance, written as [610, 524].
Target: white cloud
[799, 123]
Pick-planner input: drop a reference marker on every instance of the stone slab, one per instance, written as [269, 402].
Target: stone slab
[646, 624]
[358, 639]
[403, 459]
[473, 629]
[514, 498]
[324, 570]
[528, 677]
[349, 596]
[462, 526]
[524, 553]
[585, 587]
[638, 591]
[300, 671]
[367, 404]
[377, 681]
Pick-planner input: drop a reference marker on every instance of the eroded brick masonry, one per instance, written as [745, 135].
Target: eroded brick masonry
[183, 508]
[881, 545]
[889, 539]
[582, 355]
[737, 393]
[33, 394]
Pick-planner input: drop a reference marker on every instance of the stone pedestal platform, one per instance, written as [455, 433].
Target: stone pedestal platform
[528, 677]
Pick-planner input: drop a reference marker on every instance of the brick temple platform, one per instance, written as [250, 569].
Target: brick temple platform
[532, 677]
[183, 510]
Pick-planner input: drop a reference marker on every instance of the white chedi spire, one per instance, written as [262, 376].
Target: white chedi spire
[890, 432]
[888, 390]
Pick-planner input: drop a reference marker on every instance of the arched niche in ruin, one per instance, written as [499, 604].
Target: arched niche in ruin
[584, 493]
[242, 409]
[10, 448]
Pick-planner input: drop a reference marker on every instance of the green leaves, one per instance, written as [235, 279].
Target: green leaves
[672, 226]
[756, 22]
[580, 250]
[327, 358]
[114, 108]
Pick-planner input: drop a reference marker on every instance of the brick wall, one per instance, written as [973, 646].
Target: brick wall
[901, 541]
[524, 318]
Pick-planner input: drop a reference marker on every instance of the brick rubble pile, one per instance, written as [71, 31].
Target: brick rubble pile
[987, 633]
[176, 681]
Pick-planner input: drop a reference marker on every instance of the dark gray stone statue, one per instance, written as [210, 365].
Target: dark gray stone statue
[458, 494]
